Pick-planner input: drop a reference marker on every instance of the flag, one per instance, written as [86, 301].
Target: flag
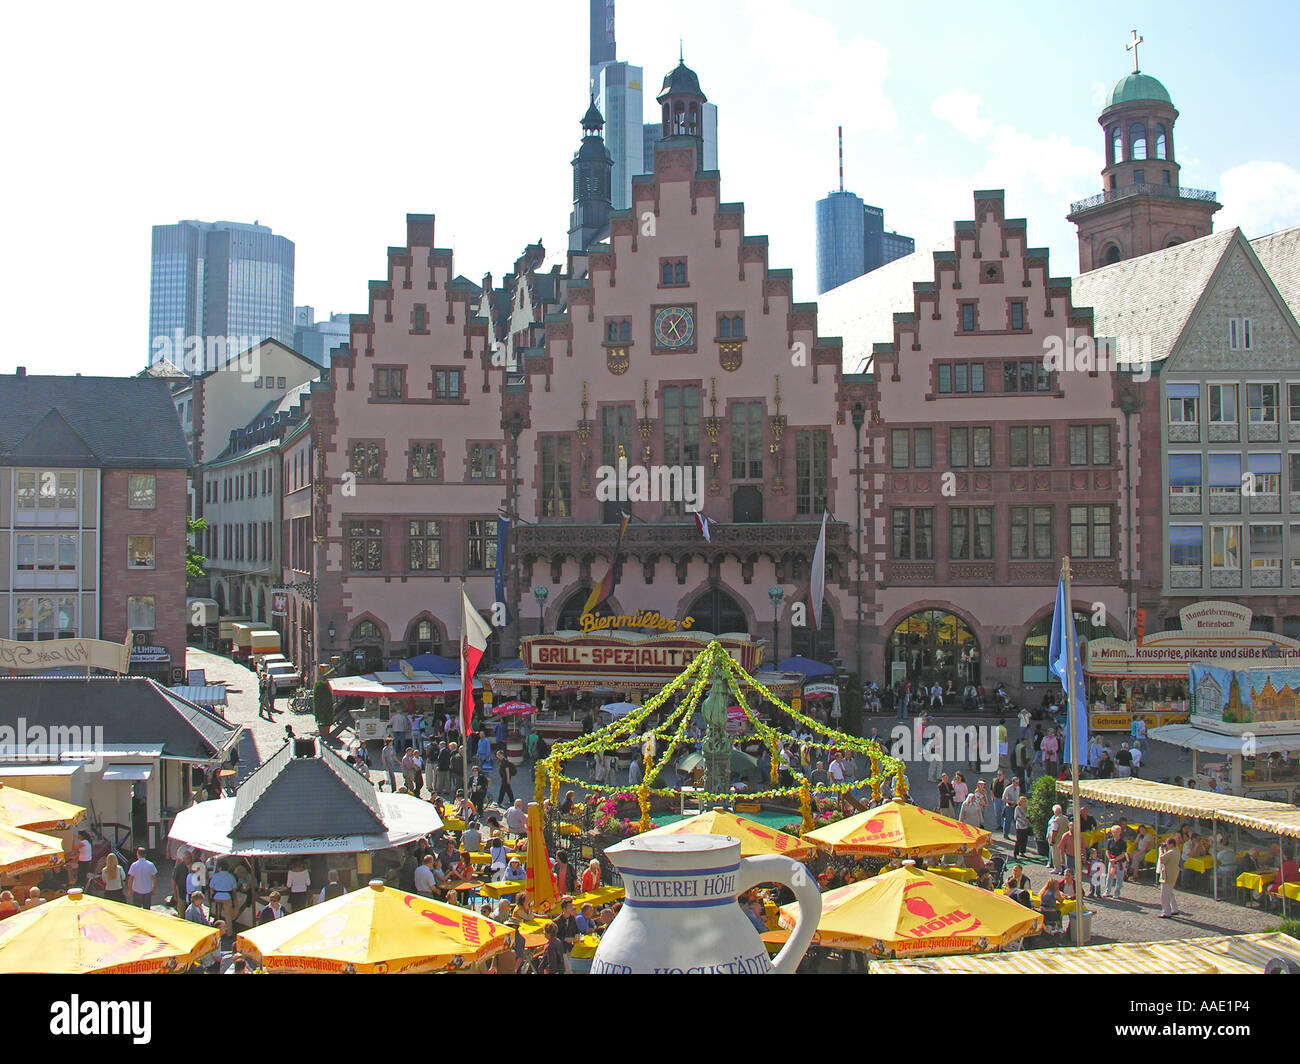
[702, 523]
[499, 586]
[474, 633]
[1141, 625]
[1063, 647]
[817, 585]
[605, 588]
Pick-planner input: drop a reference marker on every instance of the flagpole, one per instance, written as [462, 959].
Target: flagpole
[1072, 656]
[460, 708]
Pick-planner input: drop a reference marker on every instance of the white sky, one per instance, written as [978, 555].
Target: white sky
[330, 121]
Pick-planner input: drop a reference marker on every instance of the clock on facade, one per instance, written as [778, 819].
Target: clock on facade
[674, 328]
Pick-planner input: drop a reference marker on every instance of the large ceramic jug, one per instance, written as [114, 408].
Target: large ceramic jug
[680, 915]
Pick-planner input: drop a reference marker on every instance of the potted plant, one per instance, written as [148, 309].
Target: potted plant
[1042, 796]
[323, 706]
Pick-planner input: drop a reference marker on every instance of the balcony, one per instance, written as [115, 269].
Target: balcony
[673, 538]
[1144, 188]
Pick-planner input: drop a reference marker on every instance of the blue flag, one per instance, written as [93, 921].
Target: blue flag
[1058, 652]
[503, 534]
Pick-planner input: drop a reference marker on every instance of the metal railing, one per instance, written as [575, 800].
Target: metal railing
[1143, 188]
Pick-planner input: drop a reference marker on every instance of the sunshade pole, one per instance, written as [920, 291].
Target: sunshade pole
[1214, 852]
[1281, 869]
[1072, 702]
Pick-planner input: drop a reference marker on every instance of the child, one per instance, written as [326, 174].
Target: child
[1096, 873]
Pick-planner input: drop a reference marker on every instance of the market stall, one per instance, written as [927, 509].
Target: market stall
[1149, 677]
[416, 692]
[1218, 955]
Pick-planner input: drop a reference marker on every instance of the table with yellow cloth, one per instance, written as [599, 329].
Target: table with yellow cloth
[503, 889]
[1199, 864]
[958, 872]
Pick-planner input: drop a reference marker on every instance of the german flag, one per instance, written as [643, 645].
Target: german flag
[605, 588]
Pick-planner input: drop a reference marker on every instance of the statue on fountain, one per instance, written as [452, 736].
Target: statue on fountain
[717, 743]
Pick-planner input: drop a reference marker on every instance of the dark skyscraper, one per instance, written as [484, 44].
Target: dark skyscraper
[214, 280]
[851, 238]
[602, 39]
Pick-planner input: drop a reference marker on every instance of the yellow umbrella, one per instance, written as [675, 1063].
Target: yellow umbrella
[374, 931]
[25, 851]
[898, 829]
[909, 912]
[23, 809]
[755, 838]
[81, 935]
[539, 880]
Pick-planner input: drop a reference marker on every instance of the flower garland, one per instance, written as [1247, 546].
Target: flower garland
[627, 734]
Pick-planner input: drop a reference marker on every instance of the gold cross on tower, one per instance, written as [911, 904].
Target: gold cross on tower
[1132, 46]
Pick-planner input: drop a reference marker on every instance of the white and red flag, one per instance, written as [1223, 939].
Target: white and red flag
[474, 633]
[817, 583]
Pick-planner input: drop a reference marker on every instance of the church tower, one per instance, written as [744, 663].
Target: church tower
[682, 104]
[1142, 206]
[592, 166]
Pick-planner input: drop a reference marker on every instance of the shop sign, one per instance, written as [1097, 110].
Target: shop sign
[279, 603]
[610, 654]
[651, 620]
[149, 655]
[59, 653]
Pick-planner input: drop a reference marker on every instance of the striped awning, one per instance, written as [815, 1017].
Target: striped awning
[1222, 954]
[1286, 822]
[1180, 801]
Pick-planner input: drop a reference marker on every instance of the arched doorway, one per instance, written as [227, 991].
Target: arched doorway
[717, 612]
[262, 614]
[367, 646]
[1034, 666]
[571, 612]
[934, 645]
[802, 641]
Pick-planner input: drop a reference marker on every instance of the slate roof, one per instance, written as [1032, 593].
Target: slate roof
[1152, 295]
[105, 422]
[131, 709]
[294, 797]
[1279, 254]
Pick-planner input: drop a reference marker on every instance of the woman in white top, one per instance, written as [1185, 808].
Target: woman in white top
[114, 879]
[298, 883]
[497, 851]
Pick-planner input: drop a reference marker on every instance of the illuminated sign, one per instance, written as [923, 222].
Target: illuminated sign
[651, 619]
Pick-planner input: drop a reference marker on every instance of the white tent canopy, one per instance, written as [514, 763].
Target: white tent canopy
[207, 825]
[1191, 737]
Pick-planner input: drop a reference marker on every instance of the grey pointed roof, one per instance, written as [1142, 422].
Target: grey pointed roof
[132, 710]
[296, 797]
[1151, 296]
[107, 422]
[1279, 254]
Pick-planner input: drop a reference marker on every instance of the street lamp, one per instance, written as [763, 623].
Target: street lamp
[514, 425]
[539, 593]
[777, 595]
[859, 418]
[332, 632]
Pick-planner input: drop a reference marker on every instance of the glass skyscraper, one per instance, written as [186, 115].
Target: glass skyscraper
[213, 280]
[841, 244]
[851, 240]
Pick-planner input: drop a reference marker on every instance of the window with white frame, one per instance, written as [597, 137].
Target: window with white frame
[40, 617]
[1266, 547]
[140, 552]
[1223, 404]
[1184, 403]
[1261, 402]
[142, 491]
[140, 613]
[1225, 547]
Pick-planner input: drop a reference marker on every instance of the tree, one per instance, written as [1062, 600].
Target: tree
[323, 706]
[1042, 796]
[195, 563]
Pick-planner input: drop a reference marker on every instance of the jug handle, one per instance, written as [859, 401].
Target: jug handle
[772, 868]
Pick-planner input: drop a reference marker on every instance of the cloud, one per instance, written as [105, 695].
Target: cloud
[840, 76]
[1260, 197]
[960, 109]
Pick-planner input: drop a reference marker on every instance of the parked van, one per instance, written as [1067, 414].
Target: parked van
[241, 635]
[261, 644]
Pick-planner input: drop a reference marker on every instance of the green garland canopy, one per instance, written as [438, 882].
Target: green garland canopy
[627, 733]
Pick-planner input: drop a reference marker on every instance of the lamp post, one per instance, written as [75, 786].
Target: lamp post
[859, 418]
[514, 425]
[777, 595]
[539, 593]
[1130, 403]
